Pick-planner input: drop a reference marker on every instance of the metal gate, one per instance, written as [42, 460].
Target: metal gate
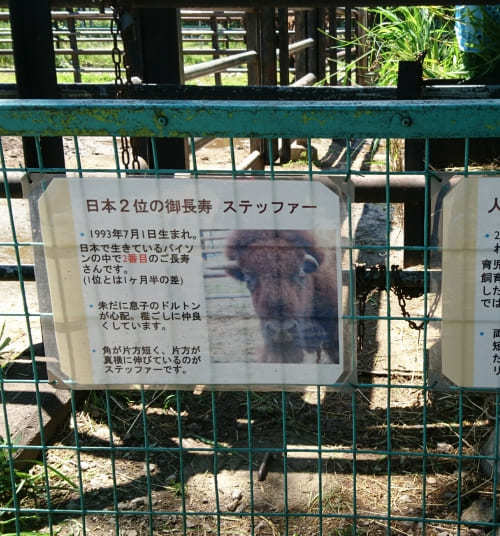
[395, 453]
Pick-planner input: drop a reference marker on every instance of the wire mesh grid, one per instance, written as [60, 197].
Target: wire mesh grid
[390, 455]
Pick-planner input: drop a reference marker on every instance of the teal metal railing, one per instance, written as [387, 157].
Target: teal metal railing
[390, 455]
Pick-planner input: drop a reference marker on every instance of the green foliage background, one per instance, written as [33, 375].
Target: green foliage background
[402, 33]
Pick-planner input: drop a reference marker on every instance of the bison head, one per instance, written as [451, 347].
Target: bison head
[278, 268]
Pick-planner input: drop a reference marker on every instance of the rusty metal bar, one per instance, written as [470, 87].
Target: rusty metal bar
[303, 44]
[306, 80]
[214, 66]
[368, 189]
[212, 51]
[371, 188]
[10, 272]
[237, 14]
[203, 31]
[201, 142]
[67, 52]
[250, 161]
[64, 15]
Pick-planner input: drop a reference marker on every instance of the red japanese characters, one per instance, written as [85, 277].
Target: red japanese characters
[293, 284]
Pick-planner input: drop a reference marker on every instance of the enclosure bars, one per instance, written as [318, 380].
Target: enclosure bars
[141, 45]
[76, 34]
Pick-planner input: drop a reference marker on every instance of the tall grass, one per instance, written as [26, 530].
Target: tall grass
[403, 33]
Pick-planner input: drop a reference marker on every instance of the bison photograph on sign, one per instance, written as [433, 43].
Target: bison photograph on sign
[290, 311]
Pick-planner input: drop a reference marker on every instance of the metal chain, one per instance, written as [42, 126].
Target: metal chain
[362, 291]
[361, 321]
[376, 281]
[403, 294]
[119, 58]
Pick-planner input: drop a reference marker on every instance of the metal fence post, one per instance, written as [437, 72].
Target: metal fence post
[410, 87]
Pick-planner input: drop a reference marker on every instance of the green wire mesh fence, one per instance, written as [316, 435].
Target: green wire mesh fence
[391, 454]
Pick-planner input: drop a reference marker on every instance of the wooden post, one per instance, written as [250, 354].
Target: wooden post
[268, 47]
[284, 70]
[284, 57]
[150, 31]
[215, 45]
[348, 39]
[227, 36]
[73, 43]
[268, 63]
[300, 34]
[332, 50]
[36, 77]
[312, 52]
[57, 37]
[321, 40]
[361, 48]
[252, 24]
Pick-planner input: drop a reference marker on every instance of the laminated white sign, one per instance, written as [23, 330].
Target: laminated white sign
[471, 282]
[185, 282]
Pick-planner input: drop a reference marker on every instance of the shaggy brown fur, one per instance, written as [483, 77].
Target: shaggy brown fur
[293, 283]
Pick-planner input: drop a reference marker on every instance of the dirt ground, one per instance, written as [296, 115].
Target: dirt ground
[128, 442]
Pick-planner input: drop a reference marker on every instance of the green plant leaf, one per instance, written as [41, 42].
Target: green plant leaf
[402, 33]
